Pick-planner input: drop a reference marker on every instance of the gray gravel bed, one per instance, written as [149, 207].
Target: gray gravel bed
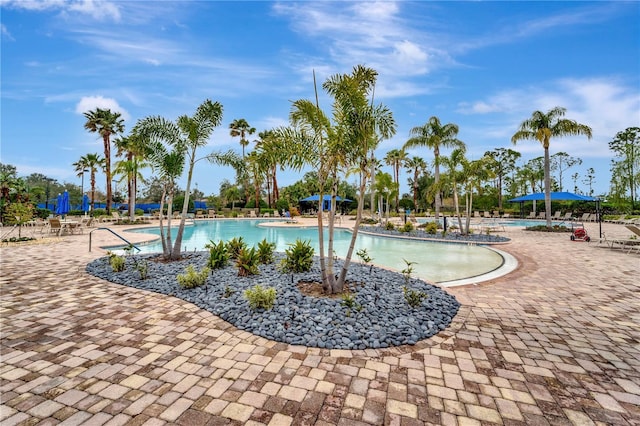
[384, 318]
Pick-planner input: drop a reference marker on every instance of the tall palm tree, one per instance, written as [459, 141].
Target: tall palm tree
[187, 134]
[133, 149]
[240, 127]
[395, 158]
[542, 127]
[434, 135]
[362, 125]
[415, 165]
[455, 160]
[93, 163]
[105, 123]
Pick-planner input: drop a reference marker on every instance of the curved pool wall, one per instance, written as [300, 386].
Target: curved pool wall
[447, 264]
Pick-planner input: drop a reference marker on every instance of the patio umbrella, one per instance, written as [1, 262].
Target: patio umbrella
[85, 203]
[63, 204]
[58, 204]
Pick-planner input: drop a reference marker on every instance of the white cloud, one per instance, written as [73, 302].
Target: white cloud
[5, 33]
[98, 9]
[88, 103]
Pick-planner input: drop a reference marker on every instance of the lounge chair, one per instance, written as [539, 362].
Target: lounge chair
[487, 215]
[585, 217]
[568, 216]
[557, 214]
[211, 214]
[476, 214]
[55, 227]
[532, 215]
[252, 213]
[495, 214]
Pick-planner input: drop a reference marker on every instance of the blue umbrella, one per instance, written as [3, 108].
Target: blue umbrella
[58, 204]
[85, 203]
[63, 204]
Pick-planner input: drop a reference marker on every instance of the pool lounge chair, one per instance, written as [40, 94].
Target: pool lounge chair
[557, 215]
[532, 215]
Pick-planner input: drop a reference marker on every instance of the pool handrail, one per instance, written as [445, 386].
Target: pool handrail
[114, 233]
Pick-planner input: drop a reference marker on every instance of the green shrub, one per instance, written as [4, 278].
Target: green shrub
[349, 301]
[389, 226]
[142, 268]
[218, 255]
[228, 292]
[431, 228]
[364, 256]
[414, 298]
[265, 251]
[235, 246]
[98, 212]
[247, 262]
[191, 278]
[298, 257]
[260, 297]
[117, 262]
[407, 227]
[282, 204]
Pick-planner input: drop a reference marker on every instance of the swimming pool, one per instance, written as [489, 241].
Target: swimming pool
[435, 262]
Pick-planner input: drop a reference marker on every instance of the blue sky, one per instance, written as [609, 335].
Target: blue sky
[485, 66]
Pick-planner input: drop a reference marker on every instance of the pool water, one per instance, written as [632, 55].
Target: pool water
[435, 262]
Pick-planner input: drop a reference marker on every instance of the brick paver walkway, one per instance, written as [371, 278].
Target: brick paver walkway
[556, 342]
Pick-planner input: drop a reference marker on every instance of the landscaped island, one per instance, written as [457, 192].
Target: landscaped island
[377, 311]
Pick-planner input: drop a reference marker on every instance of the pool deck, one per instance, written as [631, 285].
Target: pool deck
[555, 342]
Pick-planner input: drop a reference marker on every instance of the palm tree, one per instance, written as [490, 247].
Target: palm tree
[186, 135]
[240, 127]
[105, 123]
[542, 127]
[452, 163]
[434, 135]
[396, 158]
[133, 149]
[362, 125]
[93, 163]
[416, 165]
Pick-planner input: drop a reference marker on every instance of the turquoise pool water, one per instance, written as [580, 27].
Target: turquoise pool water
[436, 262]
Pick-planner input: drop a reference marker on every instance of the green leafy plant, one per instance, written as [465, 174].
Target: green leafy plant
[431, 228]
[218, 255]
[265, 251]
[191, 278]
[228, 292]
[260, 297]
[117, 262]
[364, 256]
[142, 268]
[247, 262]
[407, 227]
[389, 226]
[349, 302]
[413, 297]
[298, 257]
[235, 246]
[407, 271]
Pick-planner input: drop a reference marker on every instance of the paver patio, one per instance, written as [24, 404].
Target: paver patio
[556, 342]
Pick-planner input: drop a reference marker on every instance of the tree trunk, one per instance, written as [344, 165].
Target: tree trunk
[107, 170]
[437, 181]
[175, 252]
[547, 187]
[354, 236]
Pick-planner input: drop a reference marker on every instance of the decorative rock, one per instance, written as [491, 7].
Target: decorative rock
[385, 318]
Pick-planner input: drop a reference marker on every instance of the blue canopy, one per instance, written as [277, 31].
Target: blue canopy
[64, 205]
[324, 198]
[555, 196]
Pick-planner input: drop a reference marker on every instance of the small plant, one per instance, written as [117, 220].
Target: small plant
[407, 271]
[389, 226]
[349, 302]
[414, 298]
[260, 297]
[235, 246]
[142, 268]
[228, 292]
[218, 255]
[247, 262]
[408, 227]
[191, 278]
[117, 262]
[364, 256]
[431, 228]
[265, 251]
[298, 257]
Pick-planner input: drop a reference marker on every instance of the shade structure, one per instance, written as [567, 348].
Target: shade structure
[64, 205]
[85, 203]
[324, 198]
[555, 196]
